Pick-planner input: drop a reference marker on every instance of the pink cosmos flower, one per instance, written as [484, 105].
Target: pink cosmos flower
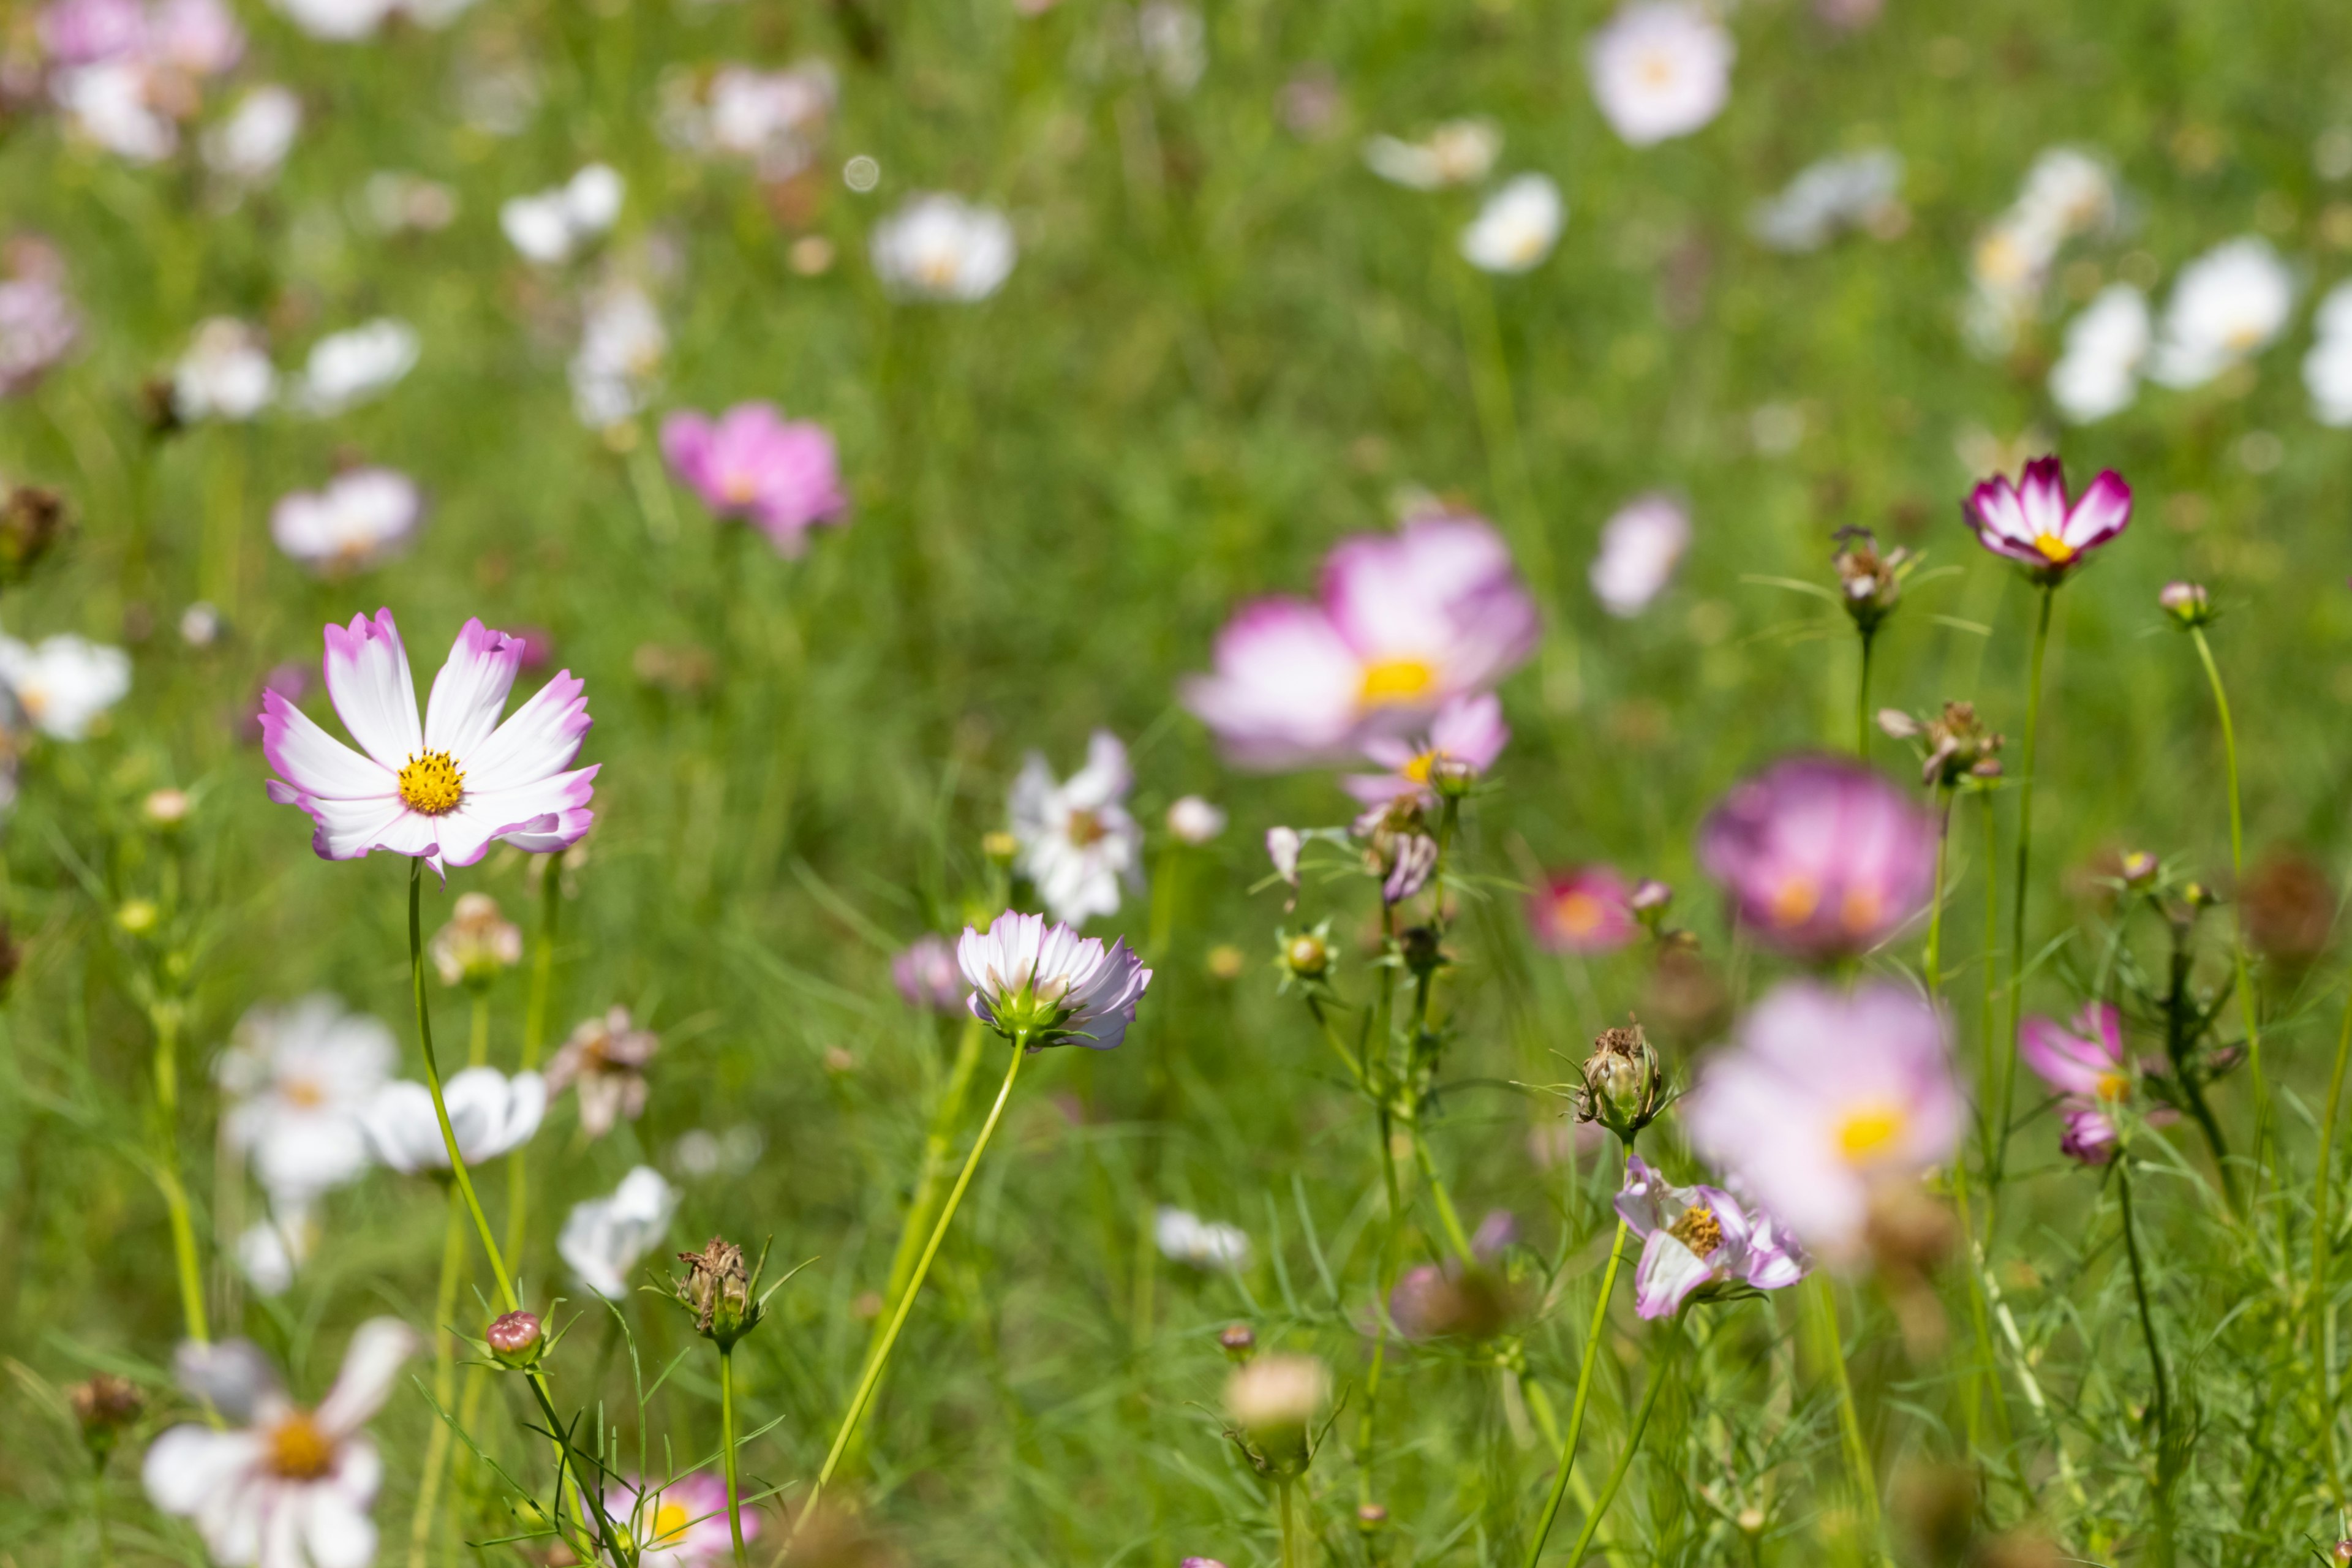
[38, 323]
[1406, 622]
[84, 32]
[925, 974]
[1049, 984]
[753, 463]
[2035, 523]
[681, 1525]
[1587, 909]
[1822, 857]
[1700, 1241]
[1825, 1097]
[443, 789]
[1463, 740]
[2088, 1070]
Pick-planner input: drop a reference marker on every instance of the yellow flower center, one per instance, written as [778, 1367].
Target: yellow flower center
[1794, 900]
[2055, 550]
[1656, 69]
[2113, 1086]
[1389, 681]
[302, 1091]
[1869, 1130]
[1083, 828]
[1860, 910]
[739, 490]
[670, 1519]
[432, 784]
[1579, 913]
[298, 1450]
[33, 700]
[1419, 769]
[1699, 1229]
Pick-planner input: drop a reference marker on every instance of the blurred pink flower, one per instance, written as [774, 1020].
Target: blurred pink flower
[2034, 522]
[1825, 1097]
[1586, 909]
[362, 518]
[37, 319]
[682, 1524]
[2089, 1070]
[199, 37]
[925, 975]
[84, 32]
[1822, 857]
[1463, 740]
[753, 463]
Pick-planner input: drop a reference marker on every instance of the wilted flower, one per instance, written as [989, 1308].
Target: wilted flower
[1078, 844]
[551, 226]
[1463, 740]
[38, 323]
[1586, 908]
[1821, 856]
[2106, 348]
[1272, 1400]
[1850, 190]
[619, 360]
[925, 974]
[681, 1524]
[1456, 153]
[289, 1487]
[477, 944]
[2036, 523]
[1194, 821]
[2226, 307]
[490, 1113]
[103, 1406]
[603, 1238]
[1623, 1086]
[1959, 745]
[347, 368]
[1045, 986]
[1398, 847]
[1517, 227]
[247, 147]
[1660, 69]
[1640, 548]
[224, 375]
[296, 1080]
[1699, 1243]
[752, 463]
[1185, 1237]
[443, 790]
[943, 248]
[1870, 580]
[722, 1293]
[606, 1057]
[63, 684]
[360, 519]
[2188, 603]
[1824, 1098]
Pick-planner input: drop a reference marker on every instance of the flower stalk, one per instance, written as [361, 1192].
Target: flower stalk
[2018, 888]
[2249, 1007]
[1583, 1392]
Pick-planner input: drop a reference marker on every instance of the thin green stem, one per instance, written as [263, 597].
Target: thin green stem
[1599, 1509]
[534, 1039]
[2154, 1360]
[1933, 962]
[478, 1042]
[1282, 1489]
[1583, 1394]
[939, 1144]
[1857, 1451]
[166, 1022]
[2008, 1045]
[1447, 1217]
[98, 1517]
[1862, 699]
[2321, 1239]
[444, 1380]
[433, 1081]
[727, 1442]
[2249, 1007]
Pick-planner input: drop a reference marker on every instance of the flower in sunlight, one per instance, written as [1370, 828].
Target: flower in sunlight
[2087, 1067]
[224, 375]
[282, 1487]
[272, 1251]
[939, 247]
[1406, 621]
[1822, 857]
[1660, 68]
[63, 684]
[606, 1058]
[1464, 738]
[248, 147]
[1455, 153]
[2226, 307]
[680, 1524]
[925, 973]
[1185, 1237]
[1079, 844]
[2034, 522]
[603, 1238]
[1517, 227]
[1825, 1100]
[2106, 346]
[478, 943]
[490, 1113]
[751, 462]
[295, 1081]
[349, 367]
[1641, 545]
[445, 788]
[1585, 910]
[551, 226]
[1046, 985]
[1194, 821]
[1699, 1243]
[363, 518]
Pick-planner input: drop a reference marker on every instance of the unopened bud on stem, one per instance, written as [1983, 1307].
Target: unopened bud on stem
[517, 1339]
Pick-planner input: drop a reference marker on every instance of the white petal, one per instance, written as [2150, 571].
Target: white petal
[368, 680]
[470, 692]
[370, 1366]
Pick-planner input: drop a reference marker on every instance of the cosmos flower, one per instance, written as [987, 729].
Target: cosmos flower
[84, 32]
[1822, 857]
[1456, 153]
[2106, 346]
[283, 1487]
[1406, 622]
[1660, 69]
[63, 684]
[349, 21]
[1851, 190]
[271, 1251]
[296, 1080]
[490, 1113]
[1048, 985]
[477, 944]
[1825, 1097]
[112, 105]
[1464, 738]
[1273, 1399]
[751, 462]
[925, 974]
[443, 790]
[682, 1524]
[2068, 192]
[362, 519]
[38, 323]
[603, 1238]
[1586, 910]
[620, 355]
[552, 226]
[1185, 1237]
[349, 367]
[224, 375]
[1641, 546]
[2087, 1067]
[2327, 368]
[2036, 524]
[605, 1057]
[1078, 844]
[1517, 228]
[774, 120]
[2226, 307]
[249, 146]
[194, 37]
[943, 248]
[1194, 821]
[1699, 1242]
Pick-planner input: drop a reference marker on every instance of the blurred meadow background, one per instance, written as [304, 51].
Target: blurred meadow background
[1223, 344]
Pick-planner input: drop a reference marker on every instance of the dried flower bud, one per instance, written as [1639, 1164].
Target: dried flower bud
[1272, 1400]
[517, 1339]
[1238, 1341]
[104, 1405]
[1871, 579]
[1955, 743]
[1421, 950]
[718, 1291]
[159, 406]
[2187, 603]
[31, 518]
[1624, 1088]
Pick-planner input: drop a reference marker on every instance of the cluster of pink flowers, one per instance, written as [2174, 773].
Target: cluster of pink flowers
[128, 75]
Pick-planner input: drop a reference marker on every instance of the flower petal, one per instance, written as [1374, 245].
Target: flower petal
[314, 762]
[551, 814]
[2102, 513]
[1668, 1272]
[470, 692]
[370, 1367]
[368, 680]
[539, 740]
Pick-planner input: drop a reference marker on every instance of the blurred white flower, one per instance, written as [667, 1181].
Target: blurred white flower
[250, 145]
[490, 1113]
[1855, 190]
[1078, 844]
[943, 248]
[272, 1251]
[2327, 368]
[224, 375]
[774, 119]
[63, 683]
[362, 518]
[2068, 192]
[621, 347]
[295, 1081]
[1185, 1237]
[342, 21]
[1457, 152]
[1195, 821]
[2226, 307]
[392, 201]
[603, 1238]
[2105, 347]
[1660, 69]
[349, 367]
[112, 104]
[1175, 41]
[1517, 227]
[1640, 548]
[552, 226]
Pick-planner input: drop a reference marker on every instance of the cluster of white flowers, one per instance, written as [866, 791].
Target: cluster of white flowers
[1517, 225]
[2226, 306]
[226, 373]
[551, 227]
[773, 119]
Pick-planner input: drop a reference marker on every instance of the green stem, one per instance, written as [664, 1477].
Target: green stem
[2320, 1242]
[477, 1044]
[433, 1081]
[1282, 1489]
[1599, 1507]
[534, 1038]
[98, 1516]
[1862, 700]
[2008, 1045]
[444, 1380]
[727, 1441]
[1857, 1452]
[1446, 1215]
[1934, 961]
[2155, 1360]
[166, 1021]
[1988, 1057]
[2248, 1008]
[1583, 1393]
[939, 1144]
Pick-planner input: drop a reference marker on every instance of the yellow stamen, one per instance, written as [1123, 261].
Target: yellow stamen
[1083, 828]
[1699, 1229]
[298, 1450]
[2113, 1086]
[1579, 913]
[1869, 1130]
[741, 489]
[301, 1092]
[670, 1519]
[1859, 910]
[1419, 769]
[1389, 681]
[432, 784]
[2055, 550]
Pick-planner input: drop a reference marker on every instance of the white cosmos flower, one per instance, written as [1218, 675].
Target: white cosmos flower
[943, 248]
[773, 118]
[112, 104]
[1078, 843]
[2327, 368]
[2106, 346]
[359, 520]
[1175, 40]
[1049, 985]
[1517, 227]
[1195, 821]
[1660, 69]
[287, 1487]
[342, 21]
[2226, 307]
[63, 684]
[554, 224]
[603, 1238]
[620, 358]
[349, 367]
[1185, 1237]
[2067, 191]
[295, 1081]
[224, 375]
[1457, 152]
[490, 1113]
[250, 145]
[1640, 548]
[1849, 191]
[271, 1251]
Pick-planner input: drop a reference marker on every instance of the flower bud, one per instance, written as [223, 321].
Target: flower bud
[1000, 847]
[104, 1406]
[1650, 897]
[717, 1290]
[1371, 1516]
[1273, 1401]
[31, 518]
[1871, 579]
[2188, 603]
[1225, 962]
[137, 917]
[2139, 868]
[1624, 1088]
[165, 809]
[1195, 821]
[1306, 954]
[2343, 1552]
[517, 1339]
[1238, 1342]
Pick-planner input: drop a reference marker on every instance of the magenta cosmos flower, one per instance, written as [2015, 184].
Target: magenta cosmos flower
[1463, 740]
[1701, 1242]
[751, 462]
[2033, 524]
[1824, 1098]
[1586, 909]
[1822, 857]
[1406, 622]
[2089, 1070]
[442, 789]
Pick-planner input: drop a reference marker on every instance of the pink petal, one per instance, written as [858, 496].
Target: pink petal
[368, 680]
[2102, 513]
[540, 811]
[2042, 497]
